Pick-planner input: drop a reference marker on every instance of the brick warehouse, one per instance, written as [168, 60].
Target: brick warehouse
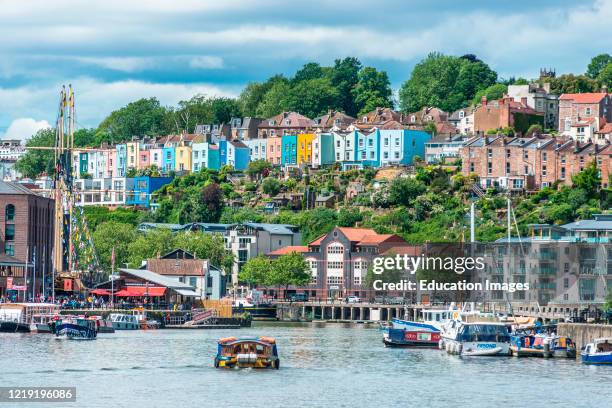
[528, 163]
[26, 231]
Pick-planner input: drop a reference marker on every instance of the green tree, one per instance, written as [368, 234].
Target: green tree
[151, 244]
[570, 83]
[403, 190]
[275, 99]
[204, 246]
[597, 64]
[493, 92]
[348, 217]
[251, 96]
[270, 186]
[446, 82]
[313, 97]
[588, 179]
[258, 168]
[373, 89]
[35, 162]
[605, 76]
[344, 77]
[255, 271]
[144, 117]
[309, 71]
[117, 235]
[289, 269]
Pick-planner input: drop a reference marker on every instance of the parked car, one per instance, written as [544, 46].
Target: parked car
[299, 297]
[396, 300]
[352, 299]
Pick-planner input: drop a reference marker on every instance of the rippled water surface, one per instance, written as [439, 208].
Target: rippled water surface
[321, 366]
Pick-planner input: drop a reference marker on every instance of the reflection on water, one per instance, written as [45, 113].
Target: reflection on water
[321, 365]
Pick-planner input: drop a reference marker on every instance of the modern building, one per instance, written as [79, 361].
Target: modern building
[26, 222]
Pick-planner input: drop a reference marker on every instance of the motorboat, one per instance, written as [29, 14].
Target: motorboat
[77, 328]
[247, 353]
[27, 317]
[598, 352]
[479, 338]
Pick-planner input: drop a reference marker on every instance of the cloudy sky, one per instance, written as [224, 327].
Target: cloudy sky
[116, 51]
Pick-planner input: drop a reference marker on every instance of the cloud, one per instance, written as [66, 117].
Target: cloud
[23, 128]
[124, 64]
[206, 62]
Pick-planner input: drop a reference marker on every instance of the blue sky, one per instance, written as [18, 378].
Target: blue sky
[116, 51]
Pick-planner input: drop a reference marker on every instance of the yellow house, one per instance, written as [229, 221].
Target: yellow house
[304, 148]
[132, 151]
[183, 158]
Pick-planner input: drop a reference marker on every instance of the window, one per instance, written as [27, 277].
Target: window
[9, 248]
[543, 170]
[507, 167]
[544, 156]
[508, 153]
[471, 167]
[490, 153]
[363, 155]
[563, 159]
[526, 170]
[397, 141]
[461, 114]
[337, 143]
[195, 154]
[360, 142]
[386, 155]
[562, 173]
[489, 167]
[335, 249]
[386, 141]
[370, 142]
[587, 112]
[396, 155]
[9, 213]
[9, 232]
[193, 281]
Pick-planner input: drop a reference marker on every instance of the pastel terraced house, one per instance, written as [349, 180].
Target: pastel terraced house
[274, 150]
[304, 148]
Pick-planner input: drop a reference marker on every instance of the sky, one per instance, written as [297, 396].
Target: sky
[117, 51]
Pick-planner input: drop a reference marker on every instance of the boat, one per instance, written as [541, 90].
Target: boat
[598, 352]
[480, 338]
[561, 347]
[407, 338]
[526, 345]
[79, 328]
[103, 325]
[247, 353]
[123, 321]
[27, 317]
[433, 320]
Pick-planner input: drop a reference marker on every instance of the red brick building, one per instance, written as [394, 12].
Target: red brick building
[582, 116]
[26, 233]
[528, 163]
[505, 112]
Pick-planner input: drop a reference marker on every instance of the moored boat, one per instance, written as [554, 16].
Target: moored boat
[103, 325]
[527, 345]
[598, 352]
[27, 317]
[406, 338]
[77, 329]
[247, 353]
[122, 321]
[482, 338]
[561, 347]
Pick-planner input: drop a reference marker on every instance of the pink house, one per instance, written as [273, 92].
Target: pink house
[144, 160]
[156, 157]
[111, 157]
[274, 150]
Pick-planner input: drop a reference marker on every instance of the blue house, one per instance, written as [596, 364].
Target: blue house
[289, 150]
[168, 159]
[121, 160]
[367, 148]
[399, 146]
[138, 190]
[238, 155]
[222, 153]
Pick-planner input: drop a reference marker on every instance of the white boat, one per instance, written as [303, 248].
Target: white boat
[478, 338]
[598, 352]
[433, 320]
[122, 321]
[27, 317]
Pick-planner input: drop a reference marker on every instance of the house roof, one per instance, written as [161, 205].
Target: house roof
[289, 249]
[159, 279]
[295, 119]
[591, 225]
[605, 129]
[331, 117]
[593, 97]
[362, 236]
[14, 188]
[180, 267]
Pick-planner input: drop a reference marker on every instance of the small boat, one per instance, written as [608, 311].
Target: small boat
[598, 352]
[247, 353]
[103, 325]
[479, 339]
[406, 338]
[77, 329]
[27, 317]
[433, 320]
[527, 345]
[561, 347]
[122, 321]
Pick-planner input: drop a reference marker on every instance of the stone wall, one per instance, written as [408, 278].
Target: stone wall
[583, 333]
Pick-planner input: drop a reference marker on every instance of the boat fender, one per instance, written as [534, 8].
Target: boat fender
[459, 348]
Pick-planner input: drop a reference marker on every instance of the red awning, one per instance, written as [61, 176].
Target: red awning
[99, 292]
[141, 291]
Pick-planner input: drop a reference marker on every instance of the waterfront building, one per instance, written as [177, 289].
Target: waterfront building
[26, 222]
[339, 260]
[289, 150]
[322, 149]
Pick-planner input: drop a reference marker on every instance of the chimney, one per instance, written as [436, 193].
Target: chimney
[524, 101]
[604, 88]
[483, 100]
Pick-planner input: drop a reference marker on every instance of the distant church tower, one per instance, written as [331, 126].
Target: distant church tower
[547, 73]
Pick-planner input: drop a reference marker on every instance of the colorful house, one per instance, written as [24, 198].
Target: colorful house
[304, 148]
[399, 146]
[289, 150]
[121, 162]
[144, 159]
[222, 153]
[345, 147]
[257, 149]
[322, 149]
[110, 162]
[156, 157]
[132, 149]
[368, 145]
[237, 155]
[183, 158]
[169, 159]
[138, 190]
[274, 150]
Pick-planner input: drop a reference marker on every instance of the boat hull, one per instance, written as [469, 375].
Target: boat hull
[600, 358]
[14, 327]
[75, 332]
[405, 338]
[529, 352]
[475, 349]
[126, 326]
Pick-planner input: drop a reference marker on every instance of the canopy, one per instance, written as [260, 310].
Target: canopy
[98, 292]
[141, 291]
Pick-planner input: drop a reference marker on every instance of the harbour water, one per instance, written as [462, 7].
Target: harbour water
[321, 366]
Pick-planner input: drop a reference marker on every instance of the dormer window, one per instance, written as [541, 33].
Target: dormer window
[272, 123]
[365, 119]
[413, 118]
[461, 114]
[287, 122]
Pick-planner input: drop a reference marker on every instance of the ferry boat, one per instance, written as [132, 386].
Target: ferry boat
[433, 321]
[77, 329]
[480, 338]
[526, 345]
[27, 317]
[598, 352]
[247, 353]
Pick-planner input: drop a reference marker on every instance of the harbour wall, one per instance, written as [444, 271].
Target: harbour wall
[583, 333]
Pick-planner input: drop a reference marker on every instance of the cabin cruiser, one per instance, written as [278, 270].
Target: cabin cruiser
[598, 352]
[79, 328]
[481, 337]
[28, 317]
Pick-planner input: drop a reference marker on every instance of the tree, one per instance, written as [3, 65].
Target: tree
[204, 246]
[313, 97]
[270, 186]
[275, 100]
[403, 190]
[258, 168]
[534, 130]
[446, 82]
[570, 83]
[597, 64]
[373, 89]
[344, 77]
[588, 179]
[348, 217]
[309, 71]
[255, 271]
[493, 92]
[605, 76]
[35, 162]
[251, 96]
[151, 244]
[144, 117]
[289, 269]
[212, 199]
[109, 235]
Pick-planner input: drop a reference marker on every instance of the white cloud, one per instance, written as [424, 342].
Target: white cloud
[23, 128]
[124, 64]
[206, 62]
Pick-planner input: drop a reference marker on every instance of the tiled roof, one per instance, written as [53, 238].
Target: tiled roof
[605, 129]
[190, 267]
[289, 249]
[296, 120]
[595, 97]
[14, 188]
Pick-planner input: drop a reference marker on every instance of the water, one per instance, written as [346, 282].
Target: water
[321, 366]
